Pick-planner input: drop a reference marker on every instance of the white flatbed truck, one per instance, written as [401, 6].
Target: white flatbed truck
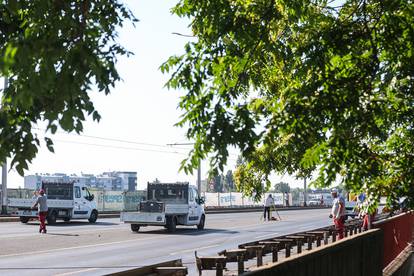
[65, 201]
[168, 205]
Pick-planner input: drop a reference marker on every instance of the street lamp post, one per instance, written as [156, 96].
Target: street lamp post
[4, 173]
[304, 191]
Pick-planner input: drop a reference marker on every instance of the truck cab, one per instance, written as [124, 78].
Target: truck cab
[66, 201]
[168, 205]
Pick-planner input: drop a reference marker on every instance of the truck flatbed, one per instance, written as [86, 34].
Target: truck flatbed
[51, 203]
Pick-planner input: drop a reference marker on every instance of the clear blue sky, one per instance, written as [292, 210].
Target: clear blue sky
[139, 109]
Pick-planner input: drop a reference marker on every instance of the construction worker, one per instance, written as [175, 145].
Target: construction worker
[41, 204]
[268, 203]
[365, 212]
[338, 213]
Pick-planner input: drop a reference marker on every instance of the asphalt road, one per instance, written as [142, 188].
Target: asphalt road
[80, 248]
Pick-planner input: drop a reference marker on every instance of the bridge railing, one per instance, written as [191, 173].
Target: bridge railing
[398, 235]
[318, 252]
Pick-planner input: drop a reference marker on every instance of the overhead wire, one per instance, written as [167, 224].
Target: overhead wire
[117, 147]
[111, 139]
[172, 145]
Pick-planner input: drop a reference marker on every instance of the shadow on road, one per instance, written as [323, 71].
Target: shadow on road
[186, 231]
[67, 235]
[80, 223]
[76, 223]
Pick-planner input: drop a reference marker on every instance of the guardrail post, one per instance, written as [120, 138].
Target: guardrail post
[333, 236]
[259, 255]
[287, 249]
[299, 246]
[240, 263]
[275, 252]
[310, 240]
[325, 238]
[318, 241]
[219, 269]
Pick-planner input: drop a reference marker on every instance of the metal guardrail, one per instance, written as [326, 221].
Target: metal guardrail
[169, 268]
[287, 243]
[284, 243]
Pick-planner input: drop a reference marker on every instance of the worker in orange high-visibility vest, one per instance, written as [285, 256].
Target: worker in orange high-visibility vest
[338, 213]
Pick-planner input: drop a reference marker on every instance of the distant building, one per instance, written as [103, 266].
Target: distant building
[109, 181]
[128, 180]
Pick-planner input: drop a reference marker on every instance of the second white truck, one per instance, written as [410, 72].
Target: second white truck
[168, 205]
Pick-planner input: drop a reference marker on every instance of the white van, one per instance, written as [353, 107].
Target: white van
[65, 201]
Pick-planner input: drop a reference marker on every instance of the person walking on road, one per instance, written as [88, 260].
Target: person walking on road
[338, 213]
[41, 204]
[269, 203]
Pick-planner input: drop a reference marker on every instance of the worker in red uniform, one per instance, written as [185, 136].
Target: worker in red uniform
[41, 204]
[338, 213]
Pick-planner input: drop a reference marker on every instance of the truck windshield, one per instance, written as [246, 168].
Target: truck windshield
[169, 194]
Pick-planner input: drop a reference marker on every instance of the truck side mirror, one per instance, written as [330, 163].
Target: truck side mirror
[200, 200]
[90, 197]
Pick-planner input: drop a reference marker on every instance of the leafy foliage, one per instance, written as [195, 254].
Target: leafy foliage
[53, 53]
[299, 86]
[282, 187]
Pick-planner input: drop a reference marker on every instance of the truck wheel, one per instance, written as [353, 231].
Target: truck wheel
[24, 219]
[93, 217]
[51, 218]
[171, 224]
[134, 227]
[200, 225]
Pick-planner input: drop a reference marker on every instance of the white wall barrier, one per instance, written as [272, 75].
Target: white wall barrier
[237, 199]
[117, 200]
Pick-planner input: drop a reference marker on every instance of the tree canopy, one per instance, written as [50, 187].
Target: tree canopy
[53, 53]
[282, 187]
[302, 86]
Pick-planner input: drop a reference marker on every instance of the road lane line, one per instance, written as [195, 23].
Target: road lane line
[194, 249]
[75, 272]
[52, 230]
[77, 247]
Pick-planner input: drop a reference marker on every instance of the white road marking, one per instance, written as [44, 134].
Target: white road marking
[76, 272]
[53, 230]
[195, 249]
[77, 247]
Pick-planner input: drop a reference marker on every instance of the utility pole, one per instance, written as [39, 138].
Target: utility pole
[4, 173]
[304, 191]
[198, 169]
[199, 179]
